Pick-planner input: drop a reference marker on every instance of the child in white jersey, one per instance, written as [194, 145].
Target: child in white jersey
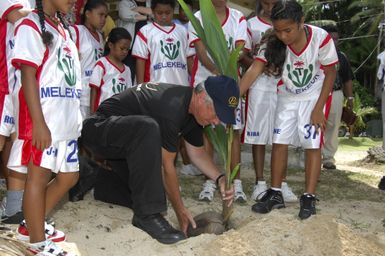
[110, 76]
[161, 47]
[10, 12]
[308, 57]
[49, 119]
[261, 102]
[235, 30]
[90, 43]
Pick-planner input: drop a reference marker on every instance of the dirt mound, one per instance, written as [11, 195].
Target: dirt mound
[283, 234]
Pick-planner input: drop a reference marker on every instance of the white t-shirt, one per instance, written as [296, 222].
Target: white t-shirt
[109, 79]
[58, 76]
[302, 76]
[235, 30]
[165, 49]
[256, 27]
[90, 50]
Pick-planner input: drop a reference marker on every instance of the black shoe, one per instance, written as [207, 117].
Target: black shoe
[329, 166]
[381, 185]
[13, 219]
[307, 206]
[271, 200]
[158, 228]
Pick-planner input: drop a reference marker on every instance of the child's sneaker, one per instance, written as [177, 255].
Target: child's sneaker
[259, 190]
[271, 200]
[307, 206]
[288, 194]
[207, 193]
[48, 248]
[239, 195]
[50, 233]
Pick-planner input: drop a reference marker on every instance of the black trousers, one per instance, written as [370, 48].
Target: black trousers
[132, 146]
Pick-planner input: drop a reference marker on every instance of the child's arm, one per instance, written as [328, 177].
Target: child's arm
[204, 58]
[140, 69]
[317, 116]
[94, 92]
[95, 83]
[255, 70]
[17, 14]
[190, 64]
[41, 135]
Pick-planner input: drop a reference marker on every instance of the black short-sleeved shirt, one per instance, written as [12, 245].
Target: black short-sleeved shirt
[167, 104]
[344, 71]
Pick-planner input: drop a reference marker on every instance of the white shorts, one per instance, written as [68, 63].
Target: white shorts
[292, 124]
[7, 121]
[61, 156]
[260, 117]
[239, 115]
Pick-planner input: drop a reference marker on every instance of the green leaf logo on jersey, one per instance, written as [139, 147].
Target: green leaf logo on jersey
[66, 64]
[230, 43]
[170, 49]
[120, 86]
[98, 53]
[300, 76]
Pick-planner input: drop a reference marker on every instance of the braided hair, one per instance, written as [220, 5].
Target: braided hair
[47, 36]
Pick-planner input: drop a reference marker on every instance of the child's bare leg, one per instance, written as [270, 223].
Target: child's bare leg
[58, 187]
[312, 169]
[34, 201]
[278, 164]
[236, 152]
[259, 161]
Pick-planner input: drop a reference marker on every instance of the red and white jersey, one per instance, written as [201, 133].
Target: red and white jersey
[8, 81]
[303, 76]
[90, 50]
[58, 76]
[256, 27]
[165, 50]
[6, 42]
[235, 30]
[109, 79]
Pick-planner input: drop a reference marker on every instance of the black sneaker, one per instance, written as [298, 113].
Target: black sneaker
[158, 228]
[329, 166]
[13, 219]
[271, 200]
[307, 206]
[381, 185]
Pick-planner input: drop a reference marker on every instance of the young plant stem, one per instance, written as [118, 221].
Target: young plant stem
[228, 210]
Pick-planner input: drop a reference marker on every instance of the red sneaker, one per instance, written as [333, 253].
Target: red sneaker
[50, 233]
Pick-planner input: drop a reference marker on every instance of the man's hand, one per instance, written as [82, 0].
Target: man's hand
[185, 218]
[227, 195]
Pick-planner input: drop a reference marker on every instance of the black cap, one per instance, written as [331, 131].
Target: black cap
[224, 92]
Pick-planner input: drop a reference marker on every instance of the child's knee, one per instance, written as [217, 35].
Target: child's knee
[68, 179]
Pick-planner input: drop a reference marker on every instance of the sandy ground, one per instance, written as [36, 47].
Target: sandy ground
[341, 227]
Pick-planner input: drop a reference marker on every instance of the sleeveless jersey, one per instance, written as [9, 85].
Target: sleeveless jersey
[58, 77]
[235, 30]
[303, 76]
[165, 49]
[109, 79]
[90, 50]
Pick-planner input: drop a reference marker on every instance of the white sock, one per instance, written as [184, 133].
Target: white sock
[276, 189]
